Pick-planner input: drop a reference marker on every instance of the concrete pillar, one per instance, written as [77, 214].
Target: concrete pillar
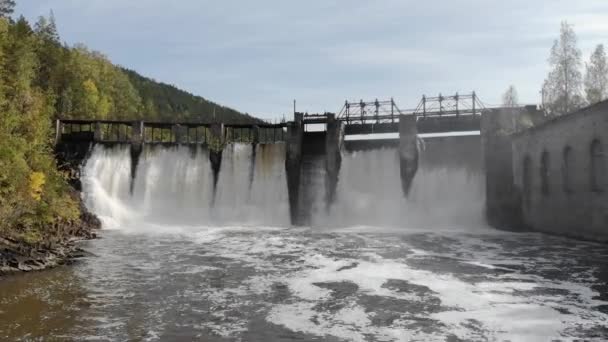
[293, 164]
[408, 151]
[255, 140]
[503, 202]
[215, 144]
[255, 134]
[180, 133]
[137, 132]
[97, 134]
[333, 159]
[137, 142]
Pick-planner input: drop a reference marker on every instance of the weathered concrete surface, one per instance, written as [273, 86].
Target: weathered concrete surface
[97, 134]
[180, 133]
[216, 146]
[313, 182]
[333, 157]
[70, 151]
[408, 151]
[570, 205]
[293, 163]
[137, 146]
[503, 200]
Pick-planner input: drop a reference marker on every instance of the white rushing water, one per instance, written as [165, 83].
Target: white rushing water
[369, 194]
[376, 267]
[175, 186]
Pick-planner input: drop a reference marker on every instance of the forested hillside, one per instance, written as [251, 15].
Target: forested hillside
[165, 102]
[34, 196]
[42, 79]
[82, 83]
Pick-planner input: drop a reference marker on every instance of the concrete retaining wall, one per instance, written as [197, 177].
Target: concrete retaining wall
[568, 203]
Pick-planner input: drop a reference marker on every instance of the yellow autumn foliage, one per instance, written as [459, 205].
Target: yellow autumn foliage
[37, 181]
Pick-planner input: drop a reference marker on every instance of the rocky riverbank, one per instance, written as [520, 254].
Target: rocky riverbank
[58, 249]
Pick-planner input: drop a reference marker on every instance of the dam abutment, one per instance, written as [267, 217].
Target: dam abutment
[503, 201]
[408, 151]
[333, 157]
[293, 164]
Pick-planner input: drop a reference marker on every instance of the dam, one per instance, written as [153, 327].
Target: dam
[313, 159]
[283, 232]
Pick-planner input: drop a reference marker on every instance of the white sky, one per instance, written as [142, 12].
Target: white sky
[257, 56]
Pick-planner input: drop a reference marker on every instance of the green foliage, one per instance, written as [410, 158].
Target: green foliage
[167, 103]
[33, 194]
[40, 80]
[7, 7]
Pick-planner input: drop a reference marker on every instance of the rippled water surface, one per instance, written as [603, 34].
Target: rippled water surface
[182, 259]
[274, 284]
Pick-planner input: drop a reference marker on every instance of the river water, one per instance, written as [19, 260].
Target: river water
[177, 261]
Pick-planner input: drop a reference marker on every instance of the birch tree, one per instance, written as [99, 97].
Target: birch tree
[596, 76]
[563, 86]
[510, 98]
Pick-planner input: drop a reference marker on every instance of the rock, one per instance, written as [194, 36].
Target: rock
[57, 249]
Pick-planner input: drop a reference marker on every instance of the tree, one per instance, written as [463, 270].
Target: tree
[596, 76]
[46, 29]
[509, 98]
[7, 7]
[562, 88]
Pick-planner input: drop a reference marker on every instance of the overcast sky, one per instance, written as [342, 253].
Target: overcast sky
[257, 56]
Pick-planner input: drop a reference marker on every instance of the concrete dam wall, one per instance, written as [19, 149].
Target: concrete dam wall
[176, 184]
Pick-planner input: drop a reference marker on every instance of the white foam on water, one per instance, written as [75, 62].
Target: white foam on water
[246, 224]
[502, 307]
[493, 305]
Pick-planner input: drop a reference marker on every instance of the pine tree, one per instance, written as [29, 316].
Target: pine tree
[596, 77]
[562, 88]
[46, 29]
[7, 7]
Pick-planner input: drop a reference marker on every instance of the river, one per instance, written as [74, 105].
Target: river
[177, 261]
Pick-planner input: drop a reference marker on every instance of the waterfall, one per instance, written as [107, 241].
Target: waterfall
[174, 186]
[369, 194]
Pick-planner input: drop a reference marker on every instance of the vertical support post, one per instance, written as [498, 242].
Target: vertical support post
[255, 133]
[474, 101]
[424, 106]
[377, 112]
[440, 104]
[137, 142]
[178, 133]
[58, 131]
[347, 106]
[392, 110]
[457, 98]
[408, 151]
[362, 106]
[216, 132]
[333, 158]
[97, 134]
[293, 163]
[215, 144]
